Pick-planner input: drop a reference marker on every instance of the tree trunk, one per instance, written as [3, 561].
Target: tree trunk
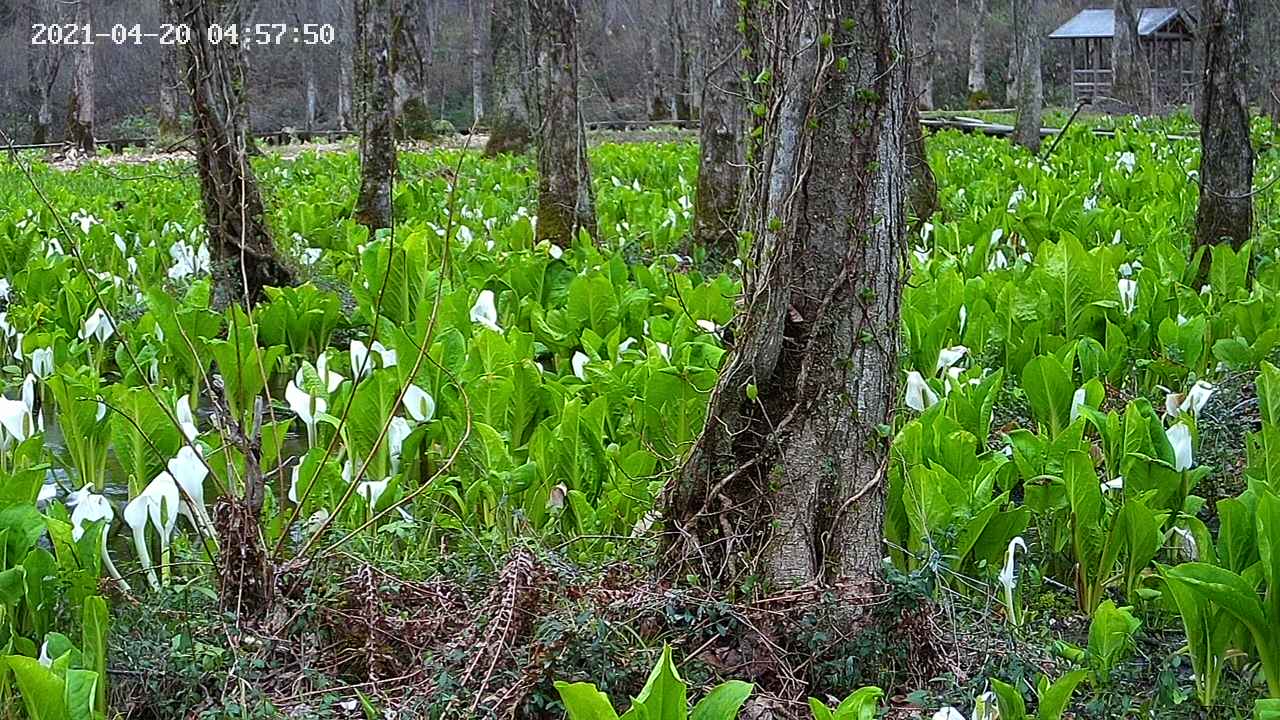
[1271, 62]
[167, 122]
[479, 13]
[978, 54]
[43, 62]
[658, 107]
[681, 108]
[1026, 130]
[346, 51]
[721, 150]
[510, 122]
[1226, 161]
[376, 101]
[928, 59]
[233, 211]
[80, 112]
[923, 196]
[408, 68]
[566, 202]
[787, 479]
[1131, 76]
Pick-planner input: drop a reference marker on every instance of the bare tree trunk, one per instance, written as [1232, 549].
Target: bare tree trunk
[681, 108]
[479, 14]
[1271, 61]
[311, 99]
[376, 114]
[721, 148]
[410, 56]
[1131, 75]
[510, 120]
[787, 479]
[168, 125]
[928, 59]
[658, 107]
[1226, 161]
[978, 53]
[233, 210]
[1026, 130]
[922, 199]
[346, 52]
[566, 201]
[43, 62]
[80, 114]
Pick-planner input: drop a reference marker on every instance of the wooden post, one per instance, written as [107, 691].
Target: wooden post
[1071, 78]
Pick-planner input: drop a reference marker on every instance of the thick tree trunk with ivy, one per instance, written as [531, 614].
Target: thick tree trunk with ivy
[234, 217]
[1026, 130]
[510, 120]
[978, 54]
[80, 109]
[566, 202]
[1131, 76]
[1225, 213]
[376, 112]
[721, 148]
[787, 480]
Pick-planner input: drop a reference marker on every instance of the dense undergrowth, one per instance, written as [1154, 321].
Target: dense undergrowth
[465, 434]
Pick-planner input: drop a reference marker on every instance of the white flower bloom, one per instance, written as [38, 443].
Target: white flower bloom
[1091, 203]
[1008, 577]
[950, 356]
[16, 421]
[1128, 295]
[419, 404]
[1077, 402]
[331, 380]
[1188, 548]
[98, 326]
[4, 288]
[922, 255]
[293, 482]
[919, 395]
[1196, 398]
[306, 407]
[372, 490]
[397, 433]
[90, 507]
[186, 417]
[964, 318]
[485, 311]
[1110, 485]
[188, 261]
[42, 362]
[707, 325]
[998, 261]
[1126, 270]
[579, 363]
[465, 236]
[156, 505]
[664, 350]
[1127, 162]
[310, 256]
[1017, 197]
[360, 359]
[948, 713]
[1180, 438]
[625, 345]
[555, 251]
[385, 355]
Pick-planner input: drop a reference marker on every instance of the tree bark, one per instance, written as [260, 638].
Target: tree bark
[510, 123]
[1225, 213]
[928, 58]
[80, 112]
[409, 68]
[43, 62]
[787, 479]
[923, 196]
[566, 201]
[1271, 61]
[233, 210]
[478, 15]
[346, 52]
[978, 53]
[376, 113]
[721, 150]
[1131, 76]
[659, 109]
[1026, 130]
[168, 125]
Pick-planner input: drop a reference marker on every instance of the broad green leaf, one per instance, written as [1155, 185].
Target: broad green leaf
[583, 701]
[723, 702]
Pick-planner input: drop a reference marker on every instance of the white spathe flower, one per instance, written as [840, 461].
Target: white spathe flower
[306, 407]
[189, 470]
[331, 380]
[372, 490]
[91, 507]
[1126, 270]
[922, 255]
[664, 350]
[359, 359]
[98, 326]
[1113, 485]
[293, 482]
[1077, 402]
[386, 356]
[920, 396]
[1180, 438]
[707, 325]
[579, 363]
[998, 261]
[1008, 575]
[950, 356]
[1196, 398]
[485, 311]
[1188, 548]
[42, 362]
[1128, 294]
[1017, 197]
[156, 505]
[310, 256]
[186, 417]
[625, 344]
[1127, 162]
[948, 713]
[419, 404]
[1091, 203]
[188, 261]
[555, 251]
[5, 287]
[397, 433]
[16, 421]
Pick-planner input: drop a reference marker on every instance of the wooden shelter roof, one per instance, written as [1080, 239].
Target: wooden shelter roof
[1101, 23]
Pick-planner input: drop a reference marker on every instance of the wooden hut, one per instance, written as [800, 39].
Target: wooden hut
[1166, 36]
